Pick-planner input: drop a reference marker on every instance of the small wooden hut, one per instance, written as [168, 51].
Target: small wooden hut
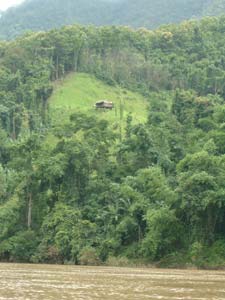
[105, 104]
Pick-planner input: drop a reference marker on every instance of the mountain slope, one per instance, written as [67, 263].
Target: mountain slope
[216, 7]
[42, 15]
[155, 13]
[46, 14]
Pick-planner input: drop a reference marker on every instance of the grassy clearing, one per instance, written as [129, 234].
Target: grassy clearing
[79, 92]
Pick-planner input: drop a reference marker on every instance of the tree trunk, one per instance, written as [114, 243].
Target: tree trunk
[57, 68]
[29, 215]
[14, 127]
[75, 60]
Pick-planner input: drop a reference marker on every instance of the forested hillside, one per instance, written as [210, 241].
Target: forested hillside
[90, 191]
[216, 7]
[46, 14]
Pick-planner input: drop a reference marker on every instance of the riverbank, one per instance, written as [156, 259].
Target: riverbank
[197, 258]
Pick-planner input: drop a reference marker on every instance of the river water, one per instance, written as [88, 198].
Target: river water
[50, 282]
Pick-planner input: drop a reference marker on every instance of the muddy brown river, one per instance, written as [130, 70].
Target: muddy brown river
[49, 282]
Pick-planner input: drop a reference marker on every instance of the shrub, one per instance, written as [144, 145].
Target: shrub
[89, 256]
[47, 254]
[120, 261]
[20, 247]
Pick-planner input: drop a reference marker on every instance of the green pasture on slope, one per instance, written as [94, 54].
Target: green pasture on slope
[79, 92]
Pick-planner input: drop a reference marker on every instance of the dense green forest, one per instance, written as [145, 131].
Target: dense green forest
[46, 14]
[88, 191]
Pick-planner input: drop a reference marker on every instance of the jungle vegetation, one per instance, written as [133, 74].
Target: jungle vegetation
[85, 191]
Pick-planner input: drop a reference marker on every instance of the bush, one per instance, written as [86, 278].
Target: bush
[20, 247]
[174, 260]
[120, 261]
[47, 254]
[89, 257]
[205, 257]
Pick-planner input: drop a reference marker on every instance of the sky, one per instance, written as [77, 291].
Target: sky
[4, 4]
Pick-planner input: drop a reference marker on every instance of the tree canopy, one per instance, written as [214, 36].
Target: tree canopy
[84, 191]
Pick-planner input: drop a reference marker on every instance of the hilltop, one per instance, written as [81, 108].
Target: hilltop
[47, 14]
